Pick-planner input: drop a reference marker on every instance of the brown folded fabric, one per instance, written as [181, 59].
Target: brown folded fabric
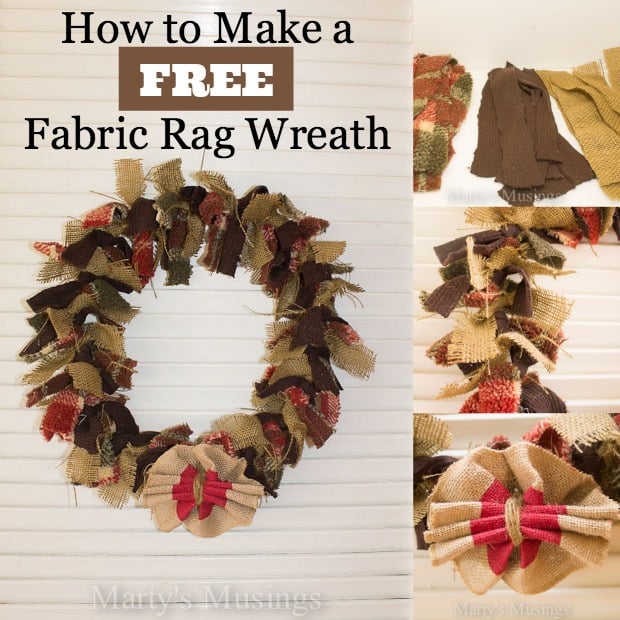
[518, 140]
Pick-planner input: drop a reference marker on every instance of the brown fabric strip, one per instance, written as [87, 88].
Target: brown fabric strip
[193, 195]
[56, 384]
[522, 303]
[235, 236]
[420, 528]
[45, 335]
[265, 389]
[143, 462]
[485, 243]
[518, 166]
[60, 296]
[616, 222]
[142, 217]
[323, 376]
[79, 253]
[538, 399]
[287, 234]
[310, 277]
[518, 141]
[538, 115]
[488, 151]
[89, 428]
[447, 296]
[424, 466]
[310, 329]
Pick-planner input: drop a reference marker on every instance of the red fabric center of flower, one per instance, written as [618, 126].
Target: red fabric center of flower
[538, 523]
[213, 493]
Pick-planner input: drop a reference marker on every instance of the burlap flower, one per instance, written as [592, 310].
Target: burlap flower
[202, 487]
[521, 515]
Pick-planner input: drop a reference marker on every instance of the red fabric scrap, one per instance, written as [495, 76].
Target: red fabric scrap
[592, 220]
[142, 259]
[213, 493]
[220, 438]
[345, 332]
[101, 216]
[538, 523]
[329, 406]
[49, 248]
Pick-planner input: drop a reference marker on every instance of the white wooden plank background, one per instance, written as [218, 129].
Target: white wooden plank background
[340, 529]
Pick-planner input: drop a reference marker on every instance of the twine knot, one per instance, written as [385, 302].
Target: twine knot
[199, 481]
[512, 516]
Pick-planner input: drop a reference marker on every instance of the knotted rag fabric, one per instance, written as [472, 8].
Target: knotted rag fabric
[518, 140]
[591, 108]
[505, 323]
[441, 96]
[520, 514]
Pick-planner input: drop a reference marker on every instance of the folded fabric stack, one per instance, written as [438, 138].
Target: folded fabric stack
[518, 140]
[442, 92]
[591, 107]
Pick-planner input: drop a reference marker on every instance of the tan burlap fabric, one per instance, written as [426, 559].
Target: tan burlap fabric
[430, 435]
[591, 107]
[583, 527]
[586, 428]
[130, 183]
[242, 499]
[525, 217]
[86, 378]
[243, 430]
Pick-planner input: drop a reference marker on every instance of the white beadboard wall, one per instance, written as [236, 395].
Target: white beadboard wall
[340, 530]
[587, 376]
[439, 593]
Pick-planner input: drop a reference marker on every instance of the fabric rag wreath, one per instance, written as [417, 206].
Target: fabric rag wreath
[505, 322]
[529, 513]
[215, 481]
